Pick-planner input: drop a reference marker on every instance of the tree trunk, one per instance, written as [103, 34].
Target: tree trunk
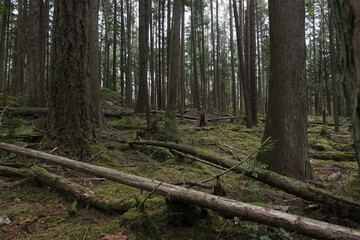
[94, 61]
[286, 121]
[347, 26]
[174, 74]
[17, 83]
[129, 65]
[143, 93]
[334, 83]
[245, 85]
[252, 61]
[70, 91]
[233, 79]
[4, 24]
[114, 53]
[195, 82]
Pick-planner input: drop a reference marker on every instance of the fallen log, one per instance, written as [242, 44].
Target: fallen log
[80, 193]
[32, 111]
[71, 188]
[15, 172]
[302, 225]
[289, 185]
[335, 156]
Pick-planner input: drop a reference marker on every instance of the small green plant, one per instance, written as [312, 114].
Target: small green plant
[167, 128]
[11, 124]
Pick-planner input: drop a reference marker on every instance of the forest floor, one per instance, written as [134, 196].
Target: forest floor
[41, 212]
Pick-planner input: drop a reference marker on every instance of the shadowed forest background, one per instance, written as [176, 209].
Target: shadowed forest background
[179, 119]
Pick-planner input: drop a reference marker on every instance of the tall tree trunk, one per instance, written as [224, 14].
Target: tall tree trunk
[233, 80]
[174, 74]
[129, 65]
[114, 63]
[151, 60]
[122, 50]
[246, 93]
[203, 66]
[142, 105]
[252, 62]
[346, 15]
[287, 118]
[70, 124]
[17, 83]
[35, 87]
[4, 24]
[182, 64]
[334, 83]
[195, 82]
[160, 56]
[94, 61]
[217, 62]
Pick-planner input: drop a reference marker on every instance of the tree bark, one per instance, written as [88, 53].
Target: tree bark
[347, 14]
[129, 65]
[94, 61]
[174, 74]
[252, 61]
[334, 82]
[305, 226]
[143, 93]
[245, 85]
[286, 122]
[70, 124]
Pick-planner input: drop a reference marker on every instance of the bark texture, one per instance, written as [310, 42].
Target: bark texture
[347, 24]
[70, 122]
[287, 118]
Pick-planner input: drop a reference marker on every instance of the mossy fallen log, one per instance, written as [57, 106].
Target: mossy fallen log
[74, 190]
[289, 185]
[302, 225]
[37, 111]
[15, 172]
[335, 156]
[81, 193]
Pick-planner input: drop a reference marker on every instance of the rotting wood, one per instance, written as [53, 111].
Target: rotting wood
[301, 225]
[288, 185]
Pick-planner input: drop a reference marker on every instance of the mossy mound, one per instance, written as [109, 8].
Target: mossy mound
[126, 123]
[158, 153]
[111, 96]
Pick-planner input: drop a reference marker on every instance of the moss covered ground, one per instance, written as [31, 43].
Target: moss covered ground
[40, 212]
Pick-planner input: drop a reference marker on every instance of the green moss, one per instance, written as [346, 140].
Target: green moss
[132, 215]
[338, 156]
[73, 208]
[111, 96]
[126, 123]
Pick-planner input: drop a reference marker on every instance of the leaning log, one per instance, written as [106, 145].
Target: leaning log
[302, 225]
[289, 185]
